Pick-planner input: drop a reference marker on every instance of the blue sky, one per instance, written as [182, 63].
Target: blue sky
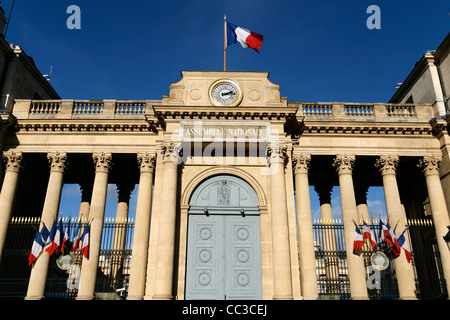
[317, 51]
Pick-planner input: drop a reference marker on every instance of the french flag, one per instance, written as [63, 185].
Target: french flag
[358, 242]
[51, 237]
[402, 242]
[368, 234]
[56, 234]
[85, 240]
[36, 249]
[247, 38]
[66, 237]
[76, 240]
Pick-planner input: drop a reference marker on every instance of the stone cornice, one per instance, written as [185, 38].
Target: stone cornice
[367, 128]
[151, 125]
[164, 113]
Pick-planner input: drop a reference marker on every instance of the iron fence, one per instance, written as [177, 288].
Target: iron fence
[332, 271]
[64, 268]
[115, 256]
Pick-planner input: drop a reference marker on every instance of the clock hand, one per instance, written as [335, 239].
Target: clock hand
[227, 93]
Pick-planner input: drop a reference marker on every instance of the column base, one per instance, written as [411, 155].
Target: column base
[34, 297]
[360, 298]
[163, 297]
[85, 297]
[135, 297]
[283, 298]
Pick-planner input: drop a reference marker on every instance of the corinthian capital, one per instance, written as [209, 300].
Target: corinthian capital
[344, 163]
[102, 161]
[301, 163]
[147, 161]
[276, 153]
[387, 164]
[13, 160]
[429, 165]
[171, 152]
[57, 161]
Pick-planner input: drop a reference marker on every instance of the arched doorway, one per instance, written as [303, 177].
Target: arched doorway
[224, 248]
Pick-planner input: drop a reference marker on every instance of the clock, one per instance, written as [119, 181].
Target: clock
[225, 93]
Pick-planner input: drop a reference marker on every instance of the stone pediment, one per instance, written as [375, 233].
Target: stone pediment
[195, 86]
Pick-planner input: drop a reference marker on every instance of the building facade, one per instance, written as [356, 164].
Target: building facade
[223, 167]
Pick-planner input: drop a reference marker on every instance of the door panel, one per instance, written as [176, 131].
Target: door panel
[243, 265]
[223, 257]
[203, 267]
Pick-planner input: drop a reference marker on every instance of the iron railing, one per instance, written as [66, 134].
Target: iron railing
[115, 257]
[332, 272]
[62, 278]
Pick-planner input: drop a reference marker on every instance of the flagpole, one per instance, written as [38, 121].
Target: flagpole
[224, 43]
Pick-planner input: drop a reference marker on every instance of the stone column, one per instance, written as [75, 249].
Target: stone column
[361, 201]
[305, 230]
[356, 271]
[50, 211]
[8, 193]
[136, 289]
[86, 195]
[396, 214]
[430, 167]
[328, 238]
[282, 280]
[120, 231]
[89, 267]
[166, 233]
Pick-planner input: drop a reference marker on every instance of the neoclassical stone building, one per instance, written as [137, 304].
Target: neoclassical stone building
[223, 167]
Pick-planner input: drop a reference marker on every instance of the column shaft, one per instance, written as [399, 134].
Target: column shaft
[166, 233]
[96, 215]
[396, 214]
[356, 270]
[430, 166]
[282, 278]
[50, 211]
[305, 230]
[328, 238]
[136, 289]
[8, 193]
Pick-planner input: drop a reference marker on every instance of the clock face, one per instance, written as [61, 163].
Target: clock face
[225, 93]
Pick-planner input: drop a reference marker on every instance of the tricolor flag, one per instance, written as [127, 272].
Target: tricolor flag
[368, 234]
[396, 249]
[66, 237]
[247, 38]
[85, 240]
[51, 237]
[36, 249]
[402, 242]
[56, 243]
[76, 240]
[389, 236]
[45, 234]
[358, 242]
